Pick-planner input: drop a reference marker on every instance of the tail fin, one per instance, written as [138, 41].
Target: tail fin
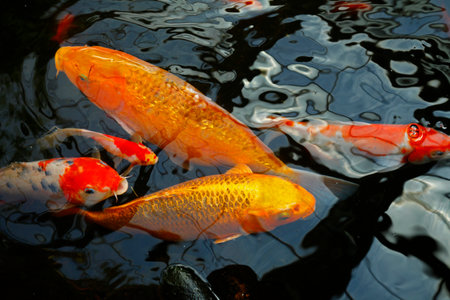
[324, 188]
[52, 137]
[327, 190]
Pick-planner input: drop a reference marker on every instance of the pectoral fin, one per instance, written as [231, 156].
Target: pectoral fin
[239, 169]
[250, 221]
[228, 238]
[136, 138]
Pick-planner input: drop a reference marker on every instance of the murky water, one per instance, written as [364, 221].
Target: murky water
[300, 59]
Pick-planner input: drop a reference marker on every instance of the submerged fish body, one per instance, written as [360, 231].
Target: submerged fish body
[163, 109]
[169, 112]
[220, 207]
[359, 149]
[135, 153]
[60, 182]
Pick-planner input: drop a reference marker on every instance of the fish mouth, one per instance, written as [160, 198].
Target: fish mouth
[59, 58]
[123, 186]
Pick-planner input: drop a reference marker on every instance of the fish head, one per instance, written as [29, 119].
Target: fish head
[428, 144]
[95, 72]
[281, 202]
[88, 181]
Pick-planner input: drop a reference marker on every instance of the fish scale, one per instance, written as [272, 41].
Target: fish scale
[220, 207]
[172, 114]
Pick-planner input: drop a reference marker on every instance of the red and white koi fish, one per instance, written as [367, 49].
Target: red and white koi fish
[357, 149]
[135, 153]
[60, 182]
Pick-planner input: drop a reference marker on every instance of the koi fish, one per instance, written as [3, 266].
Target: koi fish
[220, 207]
[251, 3]
[60, 182]
[63, 27]
[344, 6]
[446, 18]
[358, 149]
[172, 114]
[135, 153]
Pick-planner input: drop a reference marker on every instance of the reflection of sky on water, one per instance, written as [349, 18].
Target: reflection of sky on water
[378, 66]
[320, 85]
[422, 211]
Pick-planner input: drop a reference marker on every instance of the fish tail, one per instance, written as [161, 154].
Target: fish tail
[57, 135]
[324, 188]
[69, 212]
[52, 137]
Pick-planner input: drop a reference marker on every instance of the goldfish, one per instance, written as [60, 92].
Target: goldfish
[220, 207]
[358, 149]
[135, 153]
[60, 182]
[63, 27]
[172, 114]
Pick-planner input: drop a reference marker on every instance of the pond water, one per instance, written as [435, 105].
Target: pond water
[385, 62]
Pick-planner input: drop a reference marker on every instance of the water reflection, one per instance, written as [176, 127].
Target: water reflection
[388, 64]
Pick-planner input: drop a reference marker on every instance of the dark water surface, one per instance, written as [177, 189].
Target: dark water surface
[389, 64]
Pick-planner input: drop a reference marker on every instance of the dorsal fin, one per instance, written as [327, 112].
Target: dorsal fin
[239, 169]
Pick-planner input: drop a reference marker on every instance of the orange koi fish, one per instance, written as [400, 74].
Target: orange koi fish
[344, 6]
[60, 182]
[63, 27]
[171, 113]
[135, 153]
[359, 149]
[220, 207]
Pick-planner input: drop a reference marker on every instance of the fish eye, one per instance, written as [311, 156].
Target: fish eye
[83, 77]
[284, 215]
[437, 154]
[414, 132]
[89, 191]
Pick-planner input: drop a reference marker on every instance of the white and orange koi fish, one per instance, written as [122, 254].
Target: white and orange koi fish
[357, 149]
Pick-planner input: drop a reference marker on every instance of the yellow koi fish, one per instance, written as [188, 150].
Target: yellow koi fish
[219, 207]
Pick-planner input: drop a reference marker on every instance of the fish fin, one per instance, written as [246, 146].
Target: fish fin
[116, 161]
[54, 206]
[239, 169]
[50, 139]
[323, 187]
[250, 223]
[96, 153]
[136, 138]
[228, 238]
[127, 170]
[68, 212]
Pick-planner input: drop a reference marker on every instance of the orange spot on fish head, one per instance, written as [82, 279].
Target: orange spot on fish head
[428, 144]
[87, 181]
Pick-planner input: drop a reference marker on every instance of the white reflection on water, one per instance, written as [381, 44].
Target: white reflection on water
[423, 210]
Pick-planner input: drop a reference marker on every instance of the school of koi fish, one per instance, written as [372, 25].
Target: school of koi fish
[254, 191]
[151, 103]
